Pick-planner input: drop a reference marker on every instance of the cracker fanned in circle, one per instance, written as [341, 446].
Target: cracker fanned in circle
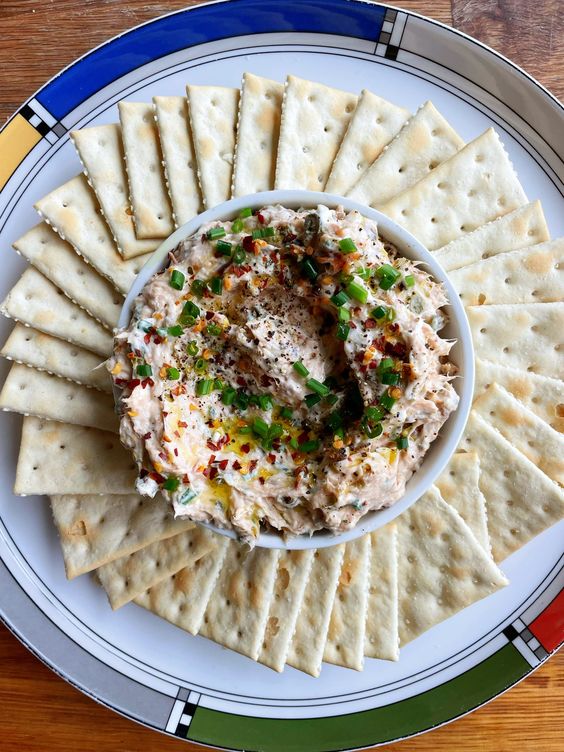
[295, 607]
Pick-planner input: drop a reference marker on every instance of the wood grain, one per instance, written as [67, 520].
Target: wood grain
[41, 713]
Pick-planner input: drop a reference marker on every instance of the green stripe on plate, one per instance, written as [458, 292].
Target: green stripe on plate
[438, 705]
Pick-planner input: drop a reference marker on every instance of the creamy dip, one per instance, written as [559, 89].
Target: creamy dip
[284, 371]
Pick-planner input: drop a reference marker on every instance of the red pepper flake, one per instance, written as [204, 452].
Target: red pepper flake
[147, 339]
[370, 324]
[276, 444]
[143, 472]
[261, 480]
[147, 382]
[213, 472]
[157, 477]
[157, 340]
[211, 459]
[237, 465]
[146, 436]
[248, 243]
[246, 448]
[303, 437]
[182, 424]
[223, 464]
[185, 479]
[373, 365]
[120, 382]
[261, 218]
[271, 458]
[175, 452]
[177, 434]
[133, 383]
[241, 381]
[238, 271]
[252, 465]
[163, 456]
[209, 315]
[212, 446]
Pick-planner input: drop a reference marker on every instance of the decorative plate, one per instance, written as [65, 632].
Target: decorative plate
[140, 665]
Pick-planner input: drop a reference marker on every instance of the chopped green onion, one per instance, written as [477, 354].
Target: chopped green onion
[373, 414]
[347, 245]
[357, 291]
[402, 442]
[286, 412]
[244, 213]
[388, 276]
[265, 401]
[254, 400]
[340, 298]
[387, 401]
[223, 247]
[300, 368]
[144, 370]
[335, 421]
[192, 348]
[171, 483]
[203, 387]
[237, 226]
[256, 234]
[363, 273]
[312, 399]
[172, 373]
[200, 366]
[175, 331]
[239, 255]
[190, 312]
[344, 314]
[213, 329]
[216, 285]
[294, 443]
[218, 384]
[215, 233]
[386, 364]
[409, 280]
[309, 269]
[372, 431]
[228, 395]
[187, 496]
[268, 232]
[391, 378]
[317, 387]
[309, 446]
[331, 399]
[197, 287]
[379, 312]
[343, 331]
[177, 279]
[242, 400]
[340, 433]
[260, 427]
[390, 314]
[275, 431]
[344, 279]
[245, 430]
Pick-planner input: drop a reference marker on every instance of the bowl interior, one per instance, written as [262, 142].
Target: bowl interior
[457, 328]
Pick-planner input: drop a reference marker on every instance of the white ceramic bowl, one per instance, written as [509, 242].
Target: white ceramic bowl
[462, 353]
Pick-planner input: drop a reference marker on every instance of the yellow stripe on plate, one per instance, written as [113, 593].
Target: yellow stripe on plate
[16, 141]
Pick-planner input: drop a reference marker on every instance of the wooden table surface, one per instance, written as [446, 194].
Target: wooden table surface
[40, 38]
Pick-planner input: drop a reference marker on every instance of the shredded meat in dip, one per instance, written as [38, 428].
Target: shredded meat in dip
[284, 372]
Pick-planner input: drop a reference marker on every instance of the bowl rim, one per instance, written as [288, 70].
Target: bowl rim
[446, 442]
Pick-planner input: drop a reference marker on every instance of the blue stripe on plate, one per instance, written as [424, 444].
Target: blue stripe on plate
[205, 24]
